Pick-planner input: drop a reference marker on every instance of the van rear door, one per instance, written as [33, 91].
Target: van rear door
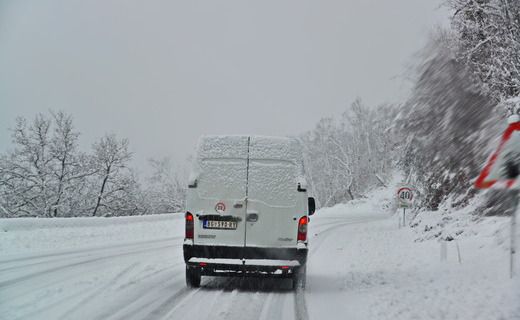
[218, 201]
[273, 203]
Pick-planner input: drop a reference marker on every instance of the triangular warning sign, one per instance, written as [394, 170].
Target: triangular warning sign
[503, 167]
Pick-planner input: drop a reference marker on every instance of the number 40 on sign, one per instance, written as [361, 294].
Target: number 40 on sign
[405, 197]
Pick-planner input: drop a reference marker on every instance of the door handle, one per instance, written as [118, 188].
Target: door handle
[238, 204]
[252, 217]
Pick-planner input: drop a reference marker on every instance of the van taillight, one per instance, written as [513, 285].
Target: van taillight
[189, 225]
[302, 228]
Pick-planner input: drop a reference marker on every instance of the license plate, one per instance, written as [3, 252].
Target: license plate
[212, 224]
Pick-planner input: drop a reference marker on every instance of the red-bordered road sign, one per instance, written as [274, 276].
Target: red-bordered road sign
[405, 197]
[220, 207]
[405, 192]
[497, 172]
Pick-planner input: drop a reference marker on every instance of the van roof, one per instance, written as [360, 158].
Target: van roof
[235, 146]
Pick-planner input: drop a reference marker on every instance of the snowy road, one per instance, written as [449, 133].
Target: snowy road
[143, 280]
[361, 266]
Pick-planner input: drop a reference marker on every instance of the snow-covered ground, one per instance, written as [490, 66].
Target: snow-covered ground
[27, 235]
[361, 266]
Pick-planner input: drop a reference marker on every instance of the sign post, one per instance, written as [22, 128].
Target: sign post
[404, 200]
[513, 243]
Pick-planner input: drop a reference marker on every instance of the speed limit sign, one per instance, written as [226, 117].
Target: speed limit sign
[405, 197]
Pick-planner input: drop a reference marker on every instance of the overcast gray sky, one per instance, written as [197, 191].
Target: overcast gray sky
[164, 72]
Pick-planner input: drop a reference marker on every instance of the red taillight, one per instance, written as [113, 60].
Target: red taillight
[302, 228]
[189, 225]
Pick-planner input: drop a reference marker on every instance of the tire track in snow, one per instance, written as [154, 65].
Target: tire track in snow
[223, 294]
[69, 257]
[180, 301]
[103, 248]
[300, 303]
[10, 282]
[48, 281]
[62, 301]
[59, 259]
[149, 275]
[151, 302]
[265, 309]
[273, 306]
[94, 293]
[222, 310]
[79, 293]
[153, 305]
[247, 304]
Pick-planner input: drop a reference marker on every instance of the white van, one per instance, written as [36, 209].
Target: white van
[247, 209]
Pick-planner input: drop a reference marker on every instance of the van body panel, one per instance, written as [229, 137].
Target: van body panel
[275, 165]
[221, 170]
[274, 201]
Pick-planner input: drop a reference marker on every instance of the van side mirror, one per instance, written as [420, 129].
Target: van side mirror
[302, 184]
[192, 180]
[192, 184]
[312, 206]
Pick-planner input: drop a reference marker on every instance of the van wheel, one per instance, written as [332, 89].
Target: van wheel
[300, 278]
[192, 277]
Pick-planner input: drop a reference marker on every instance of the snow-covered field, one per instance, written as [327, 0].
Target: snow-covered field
[361, 266]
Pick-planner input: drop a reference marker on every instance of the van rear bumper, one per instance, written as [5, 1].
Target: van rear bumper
[225, 252]
[245, 267]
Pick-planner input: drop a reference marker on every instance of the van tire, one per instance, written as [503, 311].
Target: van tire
[300, 278]
[192, 277]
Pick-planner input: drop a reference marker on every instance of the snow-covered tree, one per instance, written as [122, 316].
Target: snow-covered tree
[347, 156]
[487, 40]
[42, 174]
[113, 177]
[66, 168]
[27, 171]
[47, 175]
[166, 187]
[448, 123]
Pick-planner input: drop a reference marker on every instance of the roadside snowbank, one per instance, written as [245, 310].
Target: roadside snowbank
[463, 225]
[374, 270]
[29, 235]
[380, 200]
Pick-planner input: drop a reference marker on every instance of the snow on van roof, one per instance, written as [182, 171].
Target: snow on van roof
[274, 170]
[219, 147]
[261, 147]
[276, 148]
